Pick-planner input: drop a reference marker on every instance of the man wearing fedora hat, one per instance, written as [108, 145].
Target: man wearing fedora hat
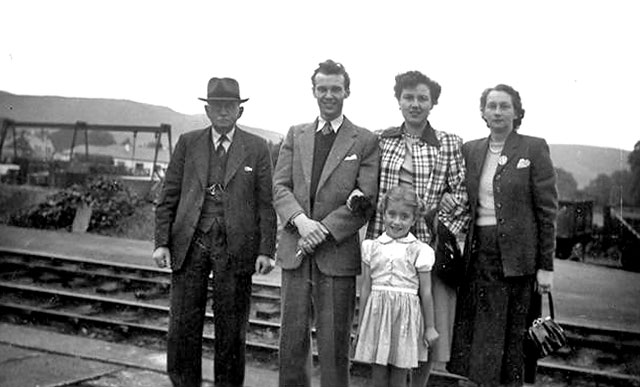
[214, 217]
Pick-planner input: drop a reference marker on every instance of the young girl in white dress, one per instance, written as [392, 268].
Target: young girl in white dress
[396, 323]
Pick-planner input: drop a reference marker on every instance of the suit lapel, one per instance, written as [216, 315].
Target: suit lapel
[343, 142]
[306, 144]
[201, 155]
[509, 151]
[237, 154]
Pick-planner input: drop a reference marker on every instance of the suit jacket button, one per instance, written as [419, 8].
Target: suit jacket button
[501, 221]
[499, 205]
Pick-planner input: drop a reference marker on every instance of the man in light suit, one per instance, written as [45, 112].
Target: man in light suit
[319, 165]
[215, 215]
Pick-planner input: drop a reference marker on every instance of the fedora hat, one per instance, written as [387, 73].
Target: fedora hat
[223, 89]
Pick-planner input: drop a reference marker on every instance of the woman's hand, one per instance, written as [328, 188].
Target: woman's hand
[430, 336]
[544, 281]
[355, 193]
[448, 202]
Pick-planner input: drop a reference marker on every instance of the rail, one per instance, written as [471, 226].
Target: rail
[43, 288]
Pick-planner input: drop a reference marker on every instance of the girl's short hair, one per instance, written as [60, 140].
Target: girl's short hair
[406, 195]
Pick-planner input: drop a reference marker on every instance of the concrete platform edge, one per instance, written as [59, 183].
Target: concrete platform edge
[111, 353]
[81, 379]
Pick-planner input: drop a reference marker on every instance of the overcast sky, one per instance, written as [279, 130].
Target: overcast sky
[575, 63]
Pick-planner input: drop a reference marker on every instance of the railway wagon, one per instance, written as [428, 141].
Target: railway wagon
[619, 234]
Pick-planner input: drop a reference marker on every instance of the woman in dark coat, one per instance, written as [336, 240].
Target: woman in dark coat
[511, 183]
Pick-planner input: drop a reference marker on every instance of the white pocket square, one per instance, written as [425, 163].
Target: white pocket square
[248, 168]
[351, 157]
[523, 163]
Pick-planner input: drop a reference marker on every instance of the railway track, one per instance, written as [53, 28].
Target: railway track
[133, 301]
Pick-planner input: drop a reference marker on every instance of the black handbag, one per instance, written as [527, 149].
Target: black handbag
[544, 336]
[449, 266]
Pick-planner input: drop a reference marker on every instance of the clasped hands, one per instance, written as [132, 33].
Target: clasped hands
[312, 233]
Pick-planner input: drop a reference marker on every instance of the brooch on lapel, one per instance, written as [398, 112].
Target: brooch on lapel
[503, 160]
[523, 163]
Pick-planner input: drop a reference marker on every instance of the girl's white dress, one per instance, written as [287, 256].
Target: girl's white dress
[392, 326]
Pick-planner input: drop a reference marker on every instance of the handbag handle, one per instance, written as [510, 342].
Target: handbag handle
[551, 311]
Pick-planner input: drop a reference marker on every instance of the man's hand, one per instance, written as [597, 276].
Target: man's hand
[161, 256]
[264, 264]
[306, 246]
[311, 232]
[544, 281]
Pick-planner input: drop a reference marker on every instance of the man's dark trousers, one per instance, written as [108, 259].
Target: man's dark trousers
[231, 313]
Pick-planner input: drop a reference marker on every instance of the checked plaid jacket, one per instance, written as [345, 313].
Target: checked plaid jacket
[438, 167]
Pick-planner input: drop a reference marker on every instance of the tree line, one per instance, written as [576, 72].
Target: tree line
[618, 188]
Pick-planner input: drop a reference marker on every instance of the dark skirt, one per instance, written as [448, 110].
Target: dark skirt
[491, 318]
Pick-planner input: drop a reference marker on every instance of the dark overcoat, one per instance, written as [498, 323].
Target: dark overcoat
[526, 202]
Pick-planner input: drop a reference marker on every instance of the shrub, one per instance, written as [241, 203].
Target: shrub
[109, 199]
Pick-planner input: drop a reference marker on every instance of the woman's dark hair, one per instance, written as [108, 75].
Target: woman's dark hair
[405, 195]
[412, 79]
[329, 67]
[515, 100]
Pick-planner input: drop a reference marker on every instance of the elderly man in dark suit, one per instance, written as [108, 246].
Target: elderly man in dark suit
[215, 215]
[319, 165]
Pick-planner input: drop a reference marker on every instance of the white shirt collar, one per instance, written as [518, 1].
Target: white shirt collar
[216, 136]
[385, 239]
[335, 123]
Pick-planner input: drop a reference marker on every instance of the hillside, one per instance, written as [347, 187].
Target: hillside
[586, 162]
[583, 162]
[106, 111]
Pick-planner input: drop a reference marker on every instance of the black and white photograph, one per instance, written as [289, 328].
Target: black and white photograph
[319, 194]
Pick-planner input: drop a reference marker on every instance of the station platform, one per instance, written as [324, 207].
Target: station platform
[32, 357]
[584, 294]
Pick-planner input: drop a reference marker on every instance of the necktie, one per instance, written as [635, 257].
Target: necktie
[327, 129]
[220, 148]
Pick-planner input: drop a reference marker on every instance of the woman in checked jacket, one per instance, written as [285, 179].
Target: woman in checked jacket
[430, 161]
